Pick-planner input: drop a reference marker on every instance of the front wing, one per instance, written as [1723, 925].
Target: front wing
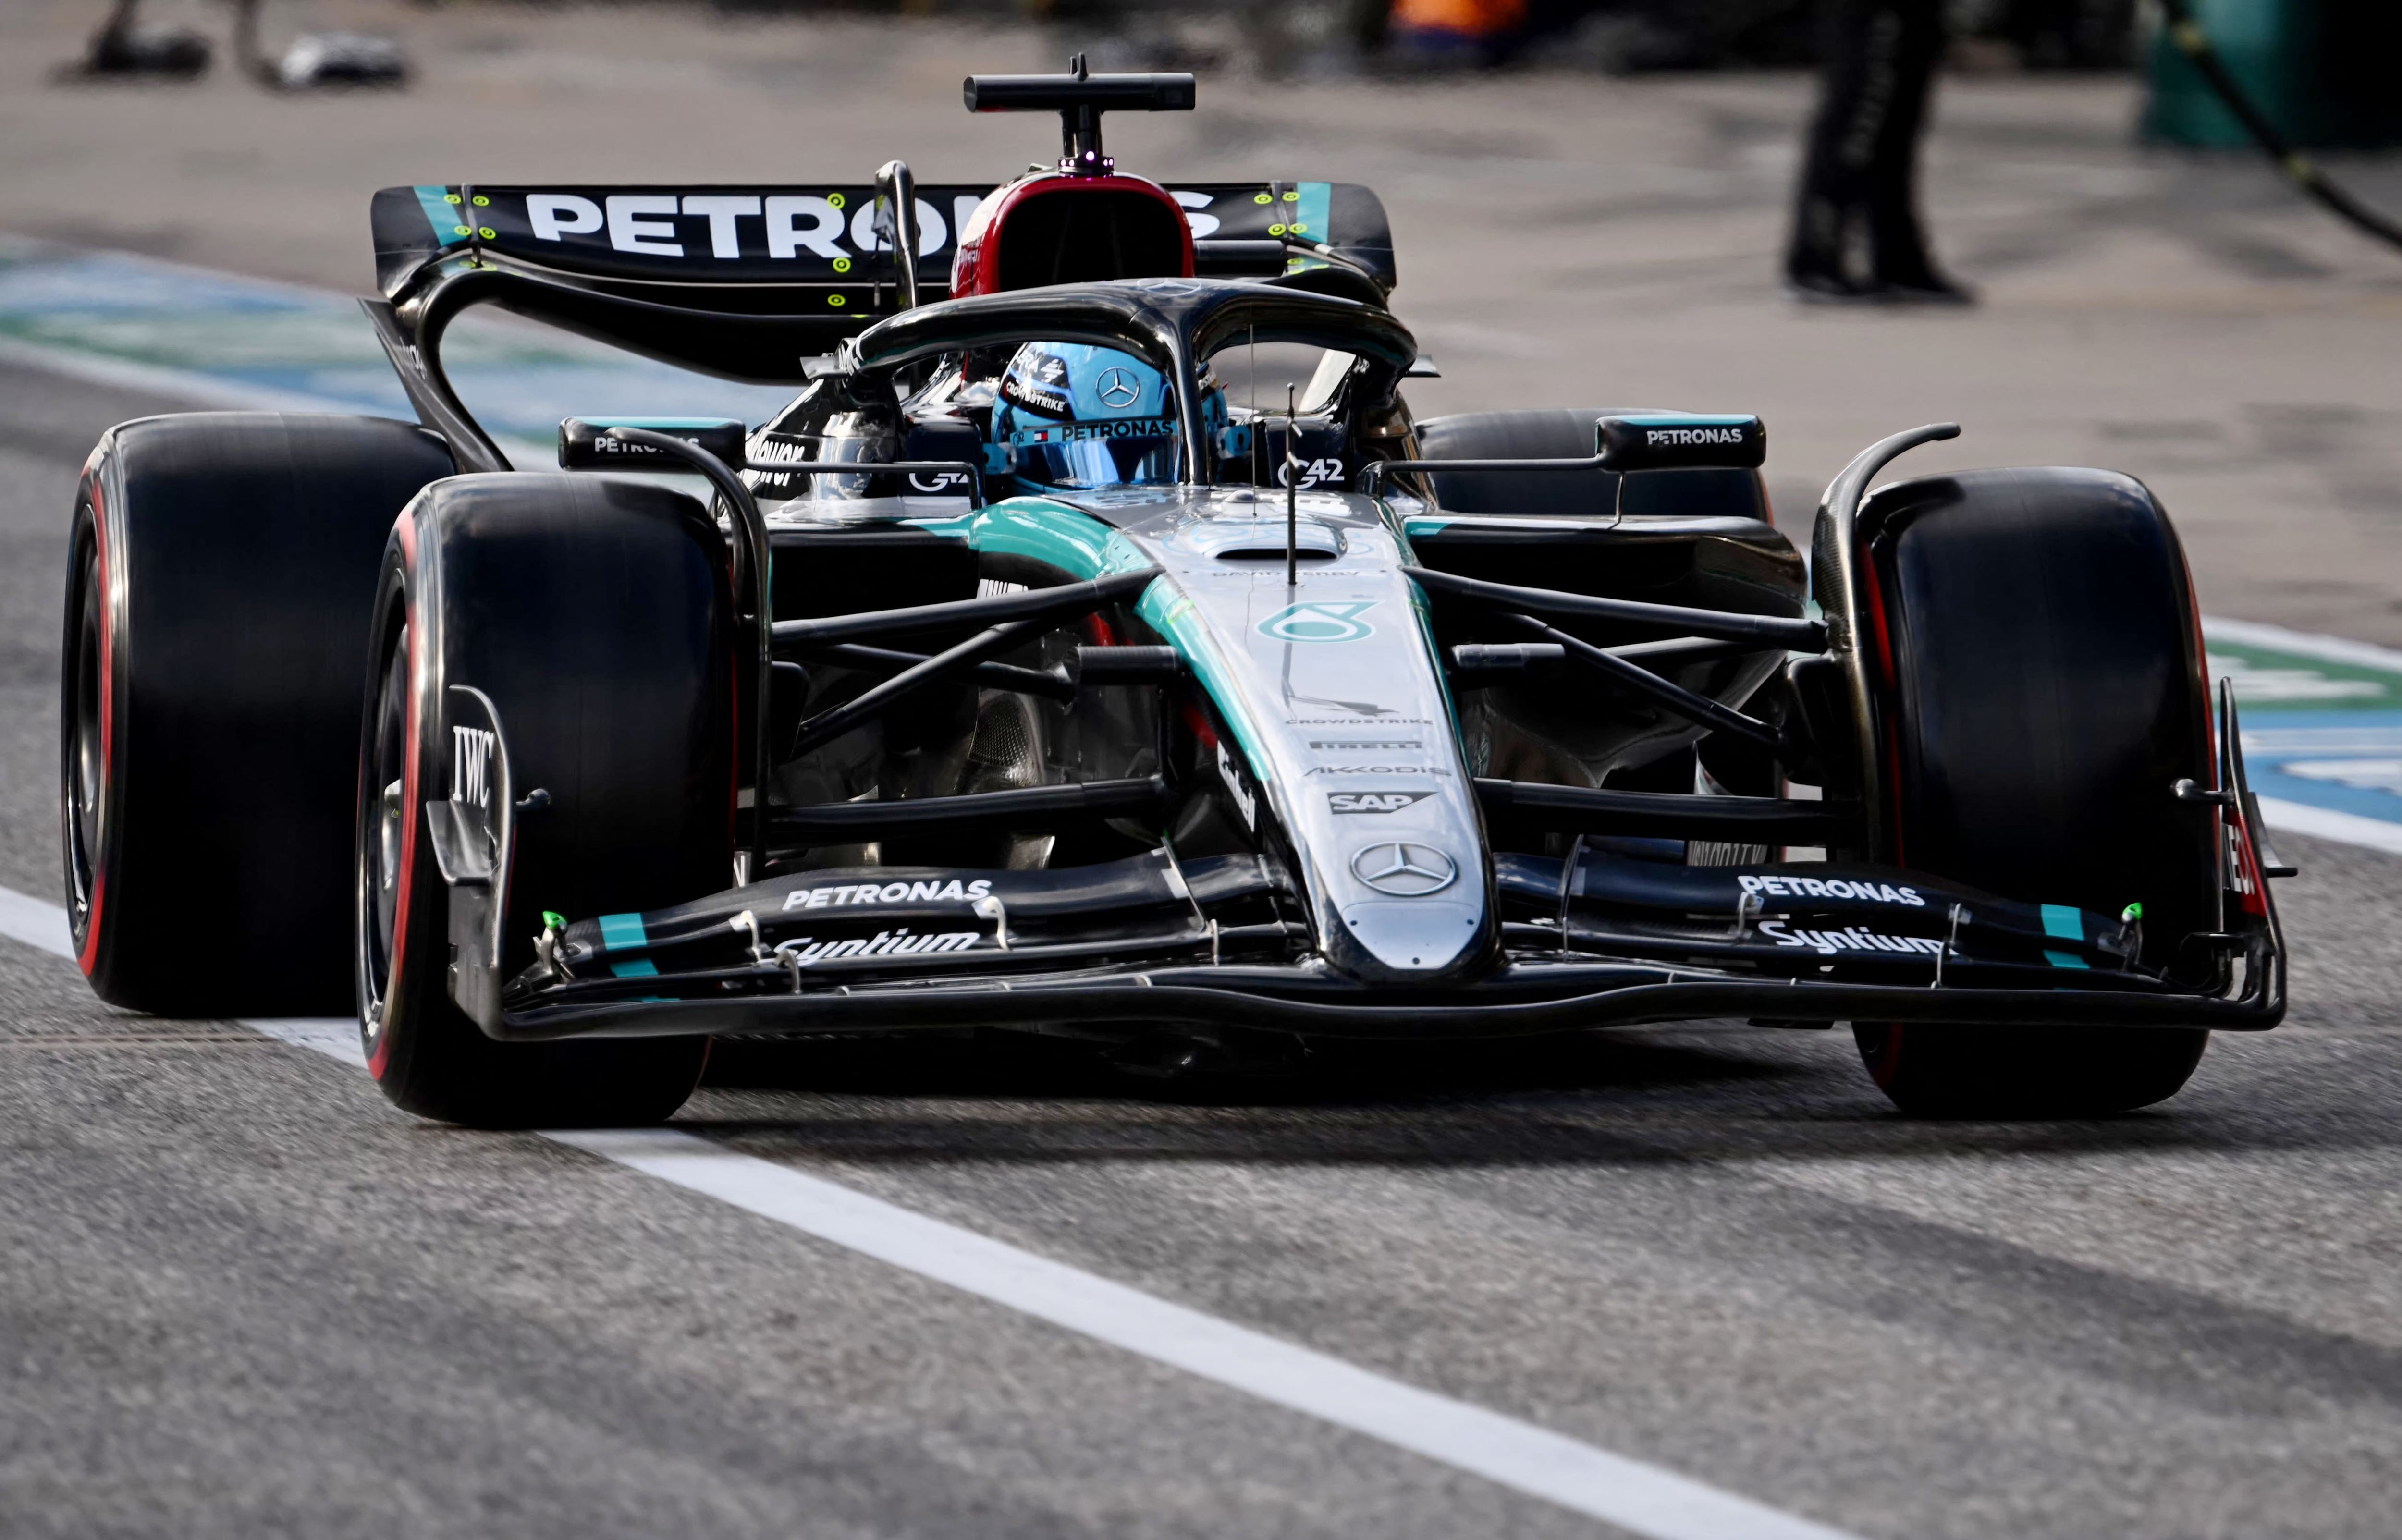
[1598, 941]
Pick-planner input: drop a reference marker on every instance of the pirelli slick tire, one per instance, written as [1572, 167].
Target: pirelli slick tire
[2038, 661]
[594, 612]
[220, 576]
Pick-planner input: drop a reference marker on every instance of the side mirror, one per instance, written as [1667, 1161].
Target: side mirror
[585, 443]
[1679, 442]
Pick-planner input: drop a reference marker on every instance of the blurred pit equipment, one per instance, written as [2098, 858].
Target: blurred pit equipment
[2185, 33]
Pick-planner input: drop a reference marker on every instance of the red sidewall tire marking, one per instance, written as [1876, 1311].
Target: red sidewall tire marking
[1885, 1064]
[1889, 726]
[2202, 659]
[89, 957]
[2253, 899]
[406, 529]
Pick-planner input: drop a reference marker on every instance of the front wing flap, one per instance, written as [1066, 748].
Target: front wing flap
[1606, 940]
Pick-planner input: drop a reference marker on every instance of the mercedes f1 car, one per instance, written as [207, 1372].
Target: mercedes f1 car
[1024, 674]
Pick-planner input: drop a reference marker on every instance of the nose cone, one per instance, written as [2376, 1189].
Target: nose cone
[1417, 912]
[1326, 675]
[1400, 939]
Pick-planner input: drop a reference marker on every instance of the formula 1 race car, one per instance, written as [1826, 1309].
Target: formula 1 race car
[1029, 671]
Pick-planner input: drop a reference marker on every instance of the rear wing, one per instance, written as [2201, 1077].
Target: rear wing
[824, 246]
[753, 282]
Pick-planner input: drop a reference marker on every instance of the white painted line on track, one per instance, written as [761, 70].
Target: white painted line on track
[2326, 823]
[28, 919]
[1629, 1493]
[334, 1037]
[2305, 644]
[1635, 1497]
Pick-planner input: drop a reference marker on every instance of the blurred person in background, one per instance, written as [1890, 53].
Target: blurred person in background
[1855, 231]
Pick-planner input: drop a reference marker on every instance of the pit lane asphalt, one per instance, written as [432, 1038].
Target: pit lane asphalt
[239, 1294]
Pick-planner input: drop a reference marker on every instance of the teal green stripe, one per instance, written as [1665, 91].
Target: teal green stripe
[623, 932]
[1121, 554]
[445, 216]
[637, 967]
[2069, 925]
[1315, 210]
[1688, 419]
[1307, 217]
[1048, 532]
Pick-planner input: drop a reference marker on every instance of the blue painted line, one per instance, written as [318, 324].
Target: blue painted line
[2345, 761]
[2366, 803]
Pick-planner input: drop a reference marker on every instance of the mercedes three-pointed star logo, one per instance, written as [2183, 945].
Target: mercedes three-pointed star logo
[1119, 390]
[1404, 870]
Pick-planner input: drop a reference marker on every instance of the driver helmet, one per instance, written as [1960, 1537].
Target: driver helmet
[1074, 417]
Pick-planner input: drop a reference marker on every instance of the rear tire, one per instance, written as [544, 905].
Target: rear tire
[220, 577]
[2040, 679]
[596, 615]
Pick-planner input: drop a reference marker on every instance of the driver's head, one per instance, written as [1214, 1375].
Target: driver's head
[1080, 416]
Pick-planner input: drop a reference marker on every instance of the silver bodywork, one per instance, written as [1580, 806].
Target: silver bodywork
[1339, 714]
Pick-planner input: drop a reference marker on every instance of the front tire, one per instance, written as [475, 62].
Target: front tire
[2036, 660]
[596, 615]
[2023, 1072]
